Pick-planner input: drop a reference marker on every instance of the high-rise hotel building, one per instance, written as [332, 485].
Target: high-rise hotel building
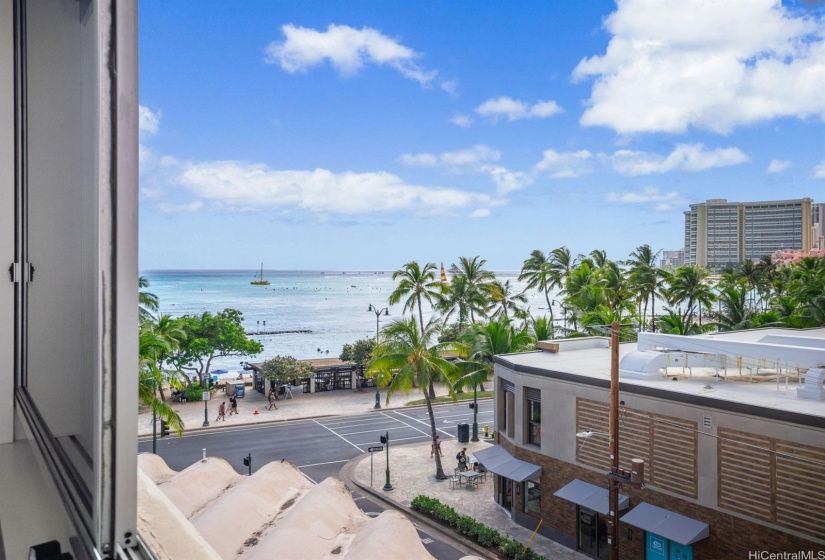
[719, 233]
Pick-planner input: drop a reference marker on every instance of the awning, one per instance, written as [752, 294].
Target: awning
[590, 496]
[497, 460]
[667, 524]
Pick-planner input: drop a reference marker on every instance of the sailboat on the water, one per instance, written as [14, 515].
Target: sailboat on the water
[259, 279]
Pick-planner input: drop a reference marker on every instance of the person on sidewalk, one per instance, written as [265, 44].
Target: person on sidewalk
[233, 405]
[436, 446]
[221, 412]
[461, 457]
[273, 396]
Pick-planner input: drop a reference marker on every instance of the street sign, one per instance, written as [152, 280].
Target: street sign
[374, 449]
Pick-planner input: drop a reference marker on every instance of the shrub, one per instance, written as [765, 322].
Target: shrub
[466, 525]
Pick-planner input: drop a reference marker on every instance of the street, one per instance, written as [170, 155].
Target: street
[321, 447]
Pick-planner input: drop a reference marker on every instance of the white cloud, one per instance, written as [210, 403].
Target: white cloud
[508, 181]
[649, 197]
[469, 157]
[148, 121]
[180, 208]
[239, 186]
[514, 109]
[347, 49]
[685, 157]
[420, 160]
[712, 65]
[451, 87]
[778, 165]
[819, 171]
[464, 121]
[564, 164]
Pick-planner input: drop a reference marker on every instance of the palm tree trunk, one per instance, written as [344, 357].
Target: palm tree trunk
[439, 470]
[431, 388]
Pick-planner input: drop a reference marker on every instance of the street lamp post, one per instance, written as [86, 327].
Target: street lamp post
[205, 396]
[378, 312]
[613, 506]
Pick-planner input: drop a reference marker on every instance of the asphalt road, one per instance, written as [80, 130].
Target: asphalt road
[320, 447]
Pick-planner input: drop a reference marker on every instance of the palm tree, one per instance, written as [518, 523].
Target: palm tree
[477, 278]
[541, 328]
[461, 299]
[407, 354]
[148, 303]
[561, 265]
[151, 345]
[416, 283]
[675, 323]
[734, 313]
[688, 284]
[538, 273]
[505, 301]
[483, 341]
[644, 277]
[751, 274]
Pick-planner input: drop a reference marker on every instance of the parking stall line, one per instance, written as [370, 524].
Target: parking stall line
[340, 436]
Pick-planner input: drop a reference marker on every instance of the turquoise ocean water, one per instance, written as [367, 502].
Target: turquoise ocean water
[331, 304]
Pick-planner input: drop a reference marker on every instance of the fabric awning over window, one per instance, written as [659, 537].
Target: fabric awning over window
[590, 496]
[497, 460]
[667, 524]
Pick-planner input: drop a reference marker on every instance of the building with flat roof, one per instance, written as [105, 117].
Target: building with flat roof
[731, 427]
[719, 233]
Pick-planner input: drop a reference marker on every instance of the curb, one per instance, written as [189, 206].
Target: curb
[201, 428]
[448, 533]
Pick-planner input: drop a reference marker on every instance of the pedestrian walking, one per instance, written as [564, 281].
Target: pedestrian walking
[272, 398]
[184, 398]
[221, 412]
[436, 446]
[233, 405]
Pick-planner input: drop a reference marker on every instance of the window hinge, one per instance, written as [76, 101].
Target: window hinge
[21, 272]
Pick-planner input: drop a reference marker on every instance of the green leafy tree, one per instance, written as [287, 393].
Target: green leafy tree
[151, 378]
[462, 299]
[406, 354]
[506, 302]
[359, 352]
[285, 368]
[539, 274]
[477, 279]
[148, 303]
[211, 336]
[645, 279]
[541, 328]
[688, 285]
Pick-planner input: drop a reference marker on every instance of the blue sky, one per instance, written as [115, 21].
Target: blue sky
[362, 135]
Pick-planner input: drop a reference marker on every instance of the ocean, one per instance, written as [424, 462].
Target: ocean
[331, 305]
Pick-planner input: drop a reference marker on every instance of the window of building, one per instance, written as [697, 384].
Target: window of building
[532, 496]
[506, 419]
[533, 410]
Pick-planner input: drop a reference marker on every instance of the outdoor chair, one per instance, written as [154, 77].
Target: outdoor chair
[455, 479]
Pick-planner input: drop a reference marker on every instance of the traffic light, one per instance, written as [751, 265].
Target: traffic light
[246, 460]
[383, 439]
[164, 428]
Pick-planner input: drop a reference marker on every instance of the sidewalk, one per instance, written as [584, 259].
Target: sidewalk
[302, 405]
[412, 471]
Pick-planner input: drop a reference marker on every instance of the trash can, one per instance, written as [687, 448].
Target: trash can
[239, 390]
[463, 433]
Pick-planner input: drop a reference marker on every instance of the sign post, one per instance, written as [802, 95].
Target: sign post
[371, 451]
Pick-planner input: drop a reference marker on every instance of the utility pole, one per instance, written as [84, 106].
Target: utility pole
[613, 514]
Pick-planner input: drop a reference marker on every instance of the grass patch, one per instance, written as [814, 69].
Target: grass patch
[459, 397]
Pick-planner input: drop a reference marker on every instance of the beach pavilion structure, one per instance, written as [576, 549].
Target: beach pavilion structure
[331, 374]
[730, 426]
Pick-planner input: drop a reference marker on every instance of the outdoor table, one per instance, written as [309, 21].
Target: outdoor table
[471, 477]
